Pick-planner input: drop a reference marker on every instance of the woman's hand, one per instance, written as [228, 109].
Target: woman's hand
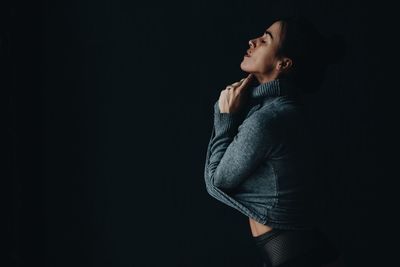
[230, 99]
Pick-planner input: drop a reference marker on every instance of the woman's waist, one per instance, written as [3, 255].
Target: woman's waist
[257, 229]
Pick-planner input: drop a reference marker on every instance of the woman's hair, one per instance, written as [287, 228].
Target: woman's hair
[309, 50]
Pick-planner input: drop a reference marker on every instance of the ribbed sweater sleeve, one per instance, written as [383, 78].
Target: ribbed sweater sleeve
[226, 124]
[237, 148]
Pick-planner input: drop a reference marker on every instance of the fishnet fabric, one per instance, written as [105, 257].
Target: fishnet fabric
[281, 247]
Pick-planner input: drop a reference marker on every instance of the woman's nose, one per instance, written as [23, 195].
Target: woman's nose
[251, 43]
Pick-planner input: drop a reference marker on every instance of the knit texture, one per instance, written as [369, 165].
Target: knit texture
[256, 160]
[233, 159]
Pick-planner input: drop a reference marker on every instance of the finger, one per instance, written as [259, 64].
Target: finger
[246, 82]
[236, 84]
[248, 77]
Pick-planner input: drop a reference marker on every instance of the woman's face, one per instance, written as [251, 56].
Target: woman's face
[261, 58]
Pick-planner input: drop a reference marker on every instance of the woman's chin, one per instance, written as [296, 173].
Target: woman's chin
[244, 67]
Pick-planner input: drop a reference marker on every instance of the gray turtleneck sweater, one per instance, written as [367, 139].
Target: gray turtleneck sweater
[259, 161]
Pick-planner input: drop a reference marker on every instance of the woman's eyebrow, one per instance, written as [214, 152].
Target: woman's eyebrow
[269, 33]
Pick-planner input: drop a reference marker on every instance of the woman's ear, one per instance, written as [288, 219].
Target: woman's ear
[284, 65]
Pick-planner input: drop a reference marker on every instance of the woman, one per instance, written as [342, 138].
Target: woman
[260, 157]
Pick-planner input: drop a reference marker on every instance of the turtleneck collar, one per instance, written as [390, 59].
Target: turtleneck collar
[277, 87]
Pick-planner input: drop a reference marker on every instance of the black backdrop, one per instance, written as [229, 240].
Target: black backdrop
[109, 107]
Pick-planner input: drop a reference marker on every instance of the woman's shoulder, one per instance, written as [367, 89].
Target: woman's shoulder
[271, 112]
[280, 106]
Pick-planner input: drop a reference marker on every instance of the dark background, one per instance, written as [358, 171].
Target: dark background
[109, 112]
